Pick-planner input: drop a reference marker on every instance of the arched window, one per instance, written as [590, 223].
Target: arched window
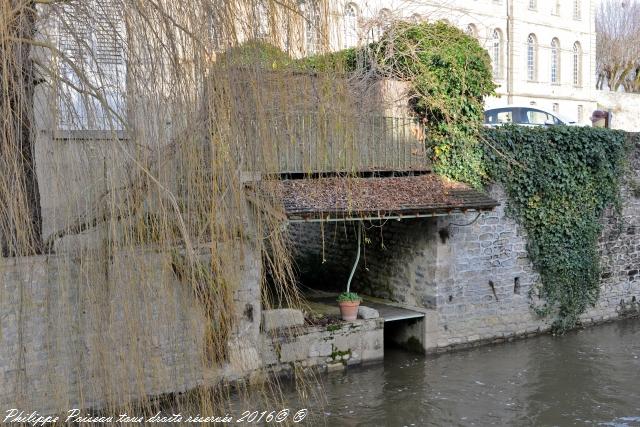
[555, 61]
[311, 15]
[383, 23]
[261, 20]
[532, 57]
[577, 64]
[472, 30]
[350, 25]
[496, 53]
[577, 10]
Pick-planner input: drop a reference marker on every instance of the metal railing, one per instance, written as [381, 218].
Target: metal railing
[330, 142]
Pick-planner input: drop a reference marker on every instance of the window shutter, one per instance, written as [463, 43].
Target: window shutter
[96, 46]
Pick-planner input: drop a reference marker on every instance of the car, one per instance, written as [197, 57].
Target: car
[524, 115]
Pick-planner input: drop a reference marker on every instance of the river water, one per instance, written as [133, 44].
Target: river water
[588, 377]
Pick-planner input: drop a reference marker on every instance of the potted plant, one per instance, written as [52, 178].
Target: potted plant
[349, 303]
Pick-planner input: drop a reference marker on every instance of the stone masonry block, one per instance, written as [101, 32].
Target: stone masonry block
[281, 318]
[367, 313]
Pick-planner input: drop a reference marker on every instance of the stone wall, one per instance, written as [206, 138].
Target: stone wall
[491, 255]
[84, 333]
[492, 249]
[470, 270]
[483, 292]
[329, 347]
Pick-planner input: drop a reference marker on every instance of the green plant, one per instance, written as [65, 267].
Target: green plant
[341, 61]
[349, 297]
[559, 180]
[449, 73]
[255, 53]
[339, 354]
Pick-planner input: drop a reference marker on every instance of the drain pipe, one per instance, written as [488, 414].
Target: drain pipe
[510, 50]
[355, 264]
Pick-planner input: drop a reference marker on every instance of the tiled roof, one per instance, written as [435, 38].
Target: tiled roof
[341, 197]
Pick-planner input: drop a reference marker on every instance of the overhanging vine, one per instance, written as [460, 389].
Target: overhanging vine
[559, 180]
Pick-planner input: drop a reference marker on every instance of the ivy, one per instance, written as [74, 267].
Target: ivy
[449, 74]
[255, 53]
[559, 180]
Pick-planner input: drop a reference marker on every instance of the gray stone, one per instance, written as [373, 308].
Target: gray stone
[333, 367]
[294, 351]
[416, 268]
[367, 313]
[281, 318]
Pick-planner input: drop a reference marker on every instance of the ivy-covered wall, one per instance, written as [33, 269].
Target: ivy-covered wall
[491, 255]
[559, 180]
[476, 280]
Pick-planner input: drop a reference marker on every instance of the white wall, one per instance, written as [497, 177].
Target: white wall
[487, 15]
[625, 108]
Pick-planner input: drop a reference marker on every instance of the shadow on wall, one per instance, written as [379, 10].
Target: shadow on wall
[397, 262]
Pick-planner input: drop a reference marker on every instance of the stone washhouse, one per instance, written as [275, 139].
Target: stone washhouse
[441, 267]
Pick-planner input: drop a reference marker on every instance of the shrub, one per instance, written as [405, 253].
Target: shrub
[450, 74]
[256, 53]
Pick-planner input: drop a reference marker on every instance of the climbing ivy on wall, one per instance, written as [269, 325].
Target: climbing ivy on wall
[449, 73]
[559, 180]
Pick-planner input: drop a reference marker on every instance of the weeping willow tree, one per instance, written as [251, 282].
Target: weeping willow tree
[20, 217]
[134, 260]
[131, 251]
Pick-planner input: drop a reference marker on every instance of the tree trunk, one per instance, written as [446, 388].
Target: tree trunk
[20, 213]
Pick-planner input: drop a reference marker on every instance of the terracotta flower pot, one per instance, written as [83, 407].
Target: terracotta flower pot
[349, 309]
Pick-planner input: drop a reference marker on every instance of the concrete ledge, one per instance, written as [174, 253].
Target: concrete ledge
[367, 313]
[346, 343]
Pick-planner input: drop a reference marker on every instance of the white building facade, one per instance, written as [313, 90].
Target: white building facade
[543, 51]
